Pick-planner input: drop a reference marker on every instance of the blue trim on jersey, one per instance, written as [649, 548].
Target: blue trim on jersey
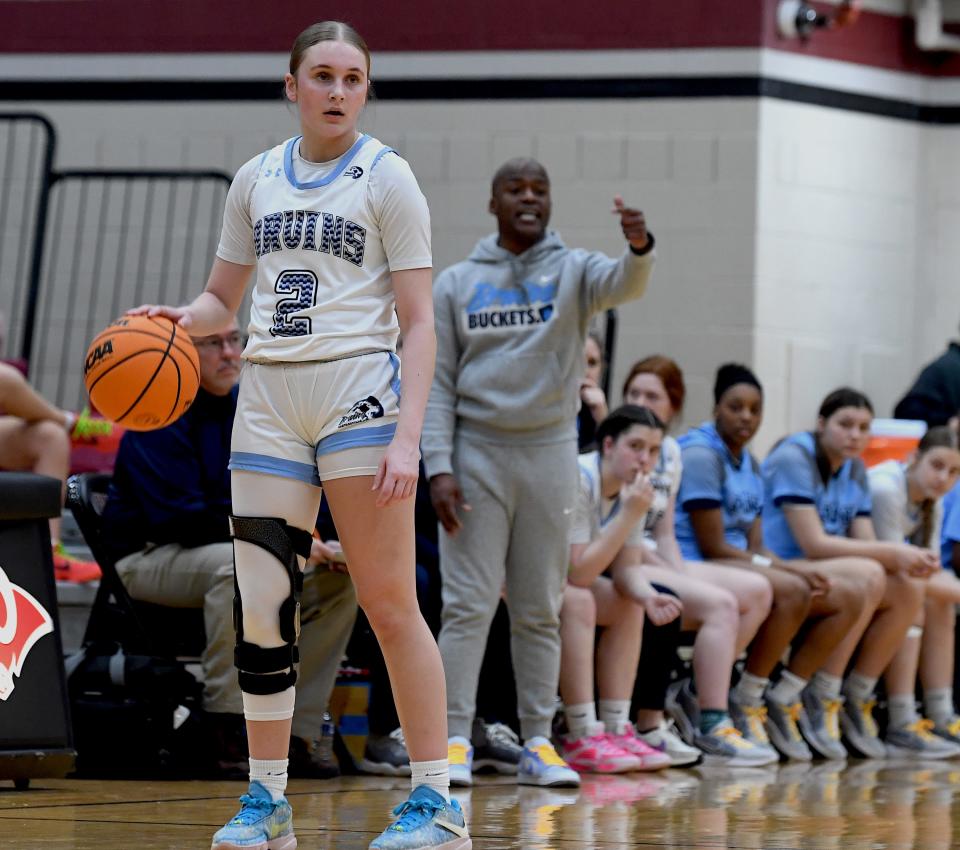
[253, 462]
[395, 378]
[380, 156]
[950, 531]
[337, 170]
[356, 438]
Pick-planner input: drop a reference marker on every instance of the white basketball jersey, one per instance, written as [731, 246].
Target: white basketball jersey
[323, 288]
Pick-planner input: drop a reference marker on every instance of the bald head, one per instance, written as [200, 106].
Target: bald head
[520, 201]
[518, 167]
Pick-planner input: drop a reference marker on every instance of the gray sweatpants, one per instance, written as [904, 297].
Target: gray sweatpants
[515, 539]
[203, 578]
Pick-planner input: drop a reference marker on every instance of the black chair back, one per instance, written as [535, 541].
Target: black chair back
[139, 627]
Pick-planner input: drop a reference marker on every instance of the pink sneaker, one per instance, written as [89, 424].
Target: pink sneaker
[598, 754]
[650, 757]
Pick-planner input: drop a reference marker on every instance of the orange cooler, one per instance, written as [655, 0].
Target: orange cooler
[893, 439]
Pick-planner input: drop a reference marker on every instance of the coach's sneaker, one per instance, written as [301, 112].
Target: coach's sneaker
[750, 720]
[860, 729]
[917, 741]
[651, 758]
[819, 723]
[540, 765]
[261, 824]
[426, 821]
[495, 747]
[386, 755]
[782, 724]
[724, 746]
[460, 757]
[682, 708]
[665, 738]
[596, 753]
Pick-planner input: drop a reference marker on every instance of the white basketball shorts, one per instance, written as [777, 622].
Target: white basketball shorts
[316, 421]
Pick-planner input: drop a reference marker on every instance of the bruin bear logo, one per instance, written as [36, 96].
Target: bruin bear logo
[354, 171]
[362, 411]
[105, 349]
[23, 621]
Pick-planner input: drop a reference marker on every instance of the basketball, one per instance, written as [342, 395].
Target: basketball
[142, 372]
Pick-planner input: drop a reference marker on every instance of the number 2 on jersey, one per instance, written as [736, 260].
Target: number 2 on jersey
[301, 286]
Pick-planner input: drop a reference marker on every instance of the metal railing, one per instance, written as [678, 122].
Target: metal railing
[115, 239]
[27, 147]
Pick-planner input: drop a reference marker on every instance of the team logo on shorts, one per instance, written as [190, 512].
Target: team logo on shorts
[354, 171]
[363, 411]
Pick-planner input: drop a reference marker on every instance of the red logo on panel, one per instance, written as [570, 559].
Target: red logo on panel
[23, 621]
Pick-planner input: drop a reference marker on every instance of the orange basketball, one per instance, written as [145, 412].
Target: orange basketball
[142, 373]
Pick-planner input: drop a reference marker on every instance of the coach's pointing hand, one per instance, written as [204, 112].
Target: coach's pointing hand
[633, 223]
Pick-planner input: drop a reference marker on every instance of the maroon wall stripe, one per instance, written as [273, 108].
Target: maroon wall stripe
[112, 26]
[240, 26]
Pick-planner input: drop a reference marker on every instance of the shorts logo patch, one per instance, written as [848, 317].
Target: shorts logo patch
[363, 411]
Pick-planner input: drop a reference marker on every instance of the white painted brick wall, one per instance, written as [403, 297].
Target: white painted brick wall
[821, 247]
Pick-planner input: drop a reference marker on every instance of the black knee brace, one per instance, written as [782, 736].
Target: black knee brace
[270, 671]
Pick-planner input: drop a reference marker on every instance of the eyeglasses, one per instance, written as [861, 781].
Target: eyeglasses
[236, 341]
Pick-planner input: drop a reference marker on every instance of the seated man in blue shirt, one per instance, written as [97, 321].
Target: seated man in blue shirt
[166, 522]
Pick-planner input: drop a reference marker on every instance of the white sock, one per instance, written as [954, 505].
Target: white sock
[615, 715]
[787, 690]
[859, 687]
[750, 688]
[938, 705]
[272, 775]
[826, 685]
[902, 709]
[581, 719]
[433, 774]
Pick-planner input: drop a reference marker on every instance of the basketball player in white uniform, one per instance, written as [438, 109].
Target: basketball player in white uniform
[339, 233]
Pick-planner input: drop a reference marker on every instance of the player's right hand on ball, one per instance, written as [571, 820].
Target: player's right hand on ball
[180, 315]
[447, 498]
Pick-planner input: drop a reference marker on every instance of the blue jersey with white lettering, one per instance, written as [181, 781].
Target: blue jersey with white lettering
[713, 478]
[950, 531]
[791, 476]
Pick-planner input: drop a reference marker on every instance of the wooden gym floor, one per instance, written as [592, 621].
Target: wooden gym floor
[860, 806]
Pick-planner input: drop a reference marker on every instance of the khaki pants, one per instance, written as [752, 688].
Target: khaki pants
[203, 578]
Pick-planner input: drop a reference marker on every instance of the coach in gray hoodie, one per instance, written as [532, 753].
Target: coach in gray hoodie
[499, 444]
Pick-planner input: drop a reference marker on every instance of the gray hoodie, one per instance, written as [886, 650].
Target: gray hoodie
[510, 335]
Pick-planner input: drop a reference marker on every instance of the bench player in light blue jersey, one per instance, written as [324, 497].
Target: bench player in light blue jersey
[338, 231]
[718, 520]
[817, 507]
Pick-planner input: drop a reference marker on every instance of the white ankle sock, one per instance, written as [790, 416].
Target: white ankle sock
[826, 685]
[750, 688]
[272, 775]
[938, 705]
[903, 710]
[581, 719]
[615, 715]
[859, 687]
[787, 690]
[433, 774]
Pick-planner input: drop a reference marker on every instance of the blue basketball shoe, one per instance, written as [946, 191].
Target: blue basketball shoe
[426, 821]
[261, 824]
